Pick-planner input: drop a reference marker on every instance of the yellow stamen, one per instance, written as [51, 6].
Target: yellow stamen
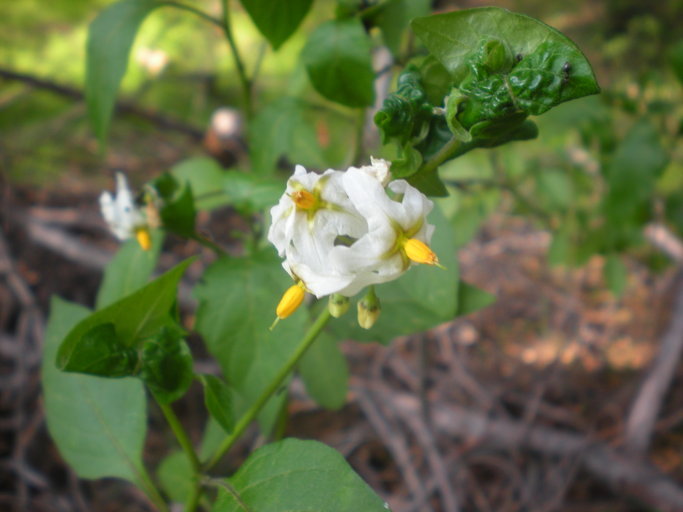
[289, 302]
[144, 238]
[304, 200]
[420, 252]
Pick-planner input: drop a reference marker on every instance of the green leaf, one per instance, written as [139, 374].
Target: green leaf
[251, 194]
[136, 317]
[423, 297]
[429, 184]
[237, 301]
[277, 20]
[297, 475]
[218, 401]
[271, 133]
[110, 38]
[166, 366]
[325, 372]
[98, 424]
[129, 270]
[616, 275]
[99, 352]
[175, 476]
[472, 298]
[451, 38]
[393, 19]
[337, 58]
[205, 179]
[631, 176]
[177, 210]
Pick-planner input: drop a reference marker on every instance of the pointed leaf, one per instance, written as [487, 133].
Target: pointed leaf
[218, 401]
[277, 20]
[337, 58]
[98, 424]
[135, 317]
[297, 475]
[110, 38]
[99, 352]
[237, 301]
[472, 298]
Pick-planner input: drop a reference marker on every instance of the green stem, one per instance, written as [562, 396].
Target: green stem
[239, 63]
[186, 445]
[440, 157]
[274, 385]
[180, 435]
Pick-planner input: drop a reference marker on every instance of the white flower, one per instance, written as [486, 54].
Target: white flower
[340, 231]
[380, 255]
[124, 218]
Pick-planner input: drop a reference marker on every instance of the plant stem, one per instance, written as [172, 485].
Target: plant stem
[186, 445]
[277, 381]
[181, 435]
[239, 63]
[440, 157]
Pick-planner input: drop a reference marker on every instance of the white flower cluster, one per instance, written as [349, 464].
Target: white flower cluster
[341, 231]
[124, 218]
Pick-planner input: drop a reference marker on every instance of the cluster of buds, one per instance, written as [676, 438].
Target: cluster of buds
[342, 231]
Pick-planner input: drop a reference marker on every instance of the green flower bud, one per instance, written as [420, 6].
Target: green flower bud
[369, 309]
[338, 305]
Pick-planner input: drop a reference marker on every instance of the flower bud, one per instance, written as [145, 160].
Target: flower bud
[368, 309]
[338, 305]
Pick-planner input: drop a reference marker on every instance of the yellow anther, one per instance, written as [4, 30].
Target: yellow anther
[144, 238]
[290, 301]
[304, 200]
[420, 252]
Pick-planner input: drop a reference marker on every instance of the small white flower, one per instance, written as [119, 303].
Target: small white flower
[124, 218]
[379, 255]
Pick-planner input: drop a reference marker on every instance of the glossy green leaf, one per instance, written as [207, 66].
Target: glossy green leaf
[175, 476]
[337, 57]
[616, 275]
[218, 401]
[177, 209]
[452, 37]
[98, 424]
[297, 475]
[237, 301]
[405, 114]
[277, 20]
[325, 372]
[471, 298]
[110, 38]
[99, 352]
[166, 365]
[136, 317]
[423, 297]
[129, 270]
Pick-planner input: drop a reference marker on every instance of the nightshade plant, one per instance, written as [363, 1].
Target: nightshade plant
[352, 234]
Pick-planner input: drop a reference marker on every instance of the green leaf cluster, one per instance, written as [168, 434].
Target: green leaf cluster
[487, 71]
